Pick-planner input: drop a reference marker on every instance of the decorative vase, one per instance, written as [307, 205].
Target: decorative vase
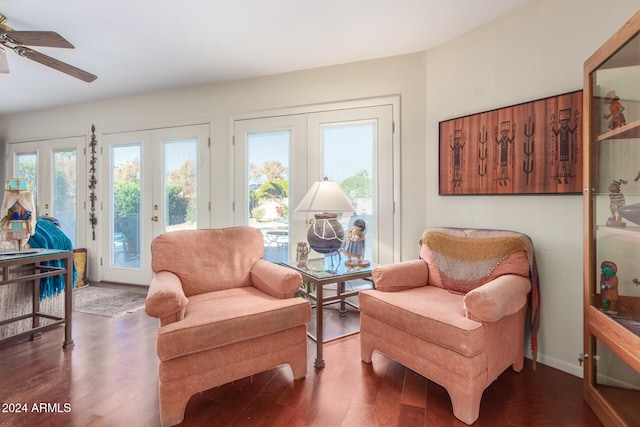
[325, 233]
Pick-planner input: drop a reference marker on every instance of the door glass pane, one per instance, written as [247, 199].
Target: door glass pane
[180, 185]
[348, 153]
[26, 168]
[268, 161]
[618, 383]
[125, 197]
[64, 191]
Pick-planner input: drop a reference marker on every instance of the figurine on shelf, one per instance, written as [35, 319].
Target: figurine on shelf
[354, 247]
[302, 254]
[609, 287]
[615, 116]
[616, 201]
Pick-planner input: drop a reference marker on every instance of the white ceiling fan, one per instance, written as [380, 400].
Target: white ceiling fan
[18, 41]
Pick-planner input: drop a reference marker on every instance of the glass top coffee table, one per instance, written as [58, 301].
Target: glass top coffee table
[326, 271]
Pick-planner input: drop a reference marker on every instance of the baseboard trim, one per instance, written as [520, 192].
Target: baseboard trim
[559, 364]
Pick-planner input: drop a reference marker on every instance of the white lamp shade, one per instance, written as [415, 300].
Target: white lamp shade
[325, 196]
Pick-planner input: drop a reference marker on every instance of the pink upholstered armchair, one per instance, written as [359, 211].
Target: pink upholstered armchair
[225, 313]
[457, 315]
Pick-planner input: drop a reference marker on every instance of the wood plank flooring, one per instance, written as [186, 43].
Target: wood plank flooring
[110, 379]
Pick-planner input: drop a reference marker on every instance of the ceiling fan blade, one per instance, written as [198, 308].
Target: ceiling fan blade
[4, 64]
[55, 64]
[39, 38]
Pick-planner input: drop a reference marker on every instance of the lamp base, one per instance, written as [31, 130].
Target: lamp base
[325, 233]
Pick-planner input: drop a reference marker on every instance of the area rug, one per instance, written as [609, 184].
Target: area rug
[108, 302]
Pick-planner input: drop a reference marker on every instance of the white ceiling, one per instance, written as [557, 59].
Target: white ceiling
[138, 46]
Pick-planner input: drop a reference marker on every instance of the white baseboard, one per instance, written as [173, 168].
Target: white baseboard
[562, 365]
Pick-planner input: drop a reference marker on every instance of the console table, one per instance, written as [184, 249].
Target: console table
[321, 272]
[31, 264]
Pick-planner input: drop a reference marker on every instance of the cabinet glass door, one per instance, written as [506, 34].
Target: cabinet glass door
[612, 229]
[616, 184]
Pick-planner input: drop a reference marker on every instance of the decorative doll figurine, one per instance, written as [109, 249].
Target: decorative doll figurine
[354, 247]
[609, 287]
[302, 254]
[615, 116]
[616, 201]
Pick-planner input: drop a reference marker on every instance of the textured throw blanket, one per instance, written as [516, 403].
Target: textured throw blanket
[468, 258]
[49, 236]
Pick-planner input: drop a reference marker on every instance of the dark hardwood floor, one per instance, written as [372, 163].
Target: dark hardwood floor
[110, 379]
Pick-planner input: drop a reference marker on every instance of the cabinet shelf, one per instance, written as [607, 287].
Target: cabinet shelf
[632, 232]
[628, 131]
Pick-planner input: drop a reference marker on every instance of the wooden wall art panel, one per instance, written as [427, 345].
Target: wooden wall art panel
[530, 148]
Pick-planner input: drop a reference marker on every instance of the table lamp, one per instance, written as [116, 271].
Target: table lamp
[325, 198]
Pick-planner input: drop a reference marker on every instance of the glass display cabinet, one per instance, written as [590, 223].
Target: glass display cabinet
[611, 355]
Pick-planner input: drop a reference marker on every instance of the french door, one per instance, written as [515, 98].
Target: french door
[54, 168]
[277, 159]
[155, 182]
[356, 149]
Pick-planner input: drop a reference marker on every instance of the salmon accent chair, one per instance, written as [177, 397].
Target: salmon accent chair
[225, 313]
[457, 315]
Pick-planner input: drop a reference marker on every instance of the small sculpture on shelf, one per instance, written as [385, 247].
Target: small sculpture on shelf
[302, 254]
[615, 116]
[354, 245]
[609, 287]
[616, 201]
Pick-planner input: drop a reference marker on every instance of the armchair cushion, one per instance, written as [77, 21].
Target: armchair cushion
[429, 313]
[219, 318]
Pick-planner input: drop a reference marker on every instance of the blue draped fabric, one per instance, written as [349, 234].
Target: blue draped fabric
[49, 236]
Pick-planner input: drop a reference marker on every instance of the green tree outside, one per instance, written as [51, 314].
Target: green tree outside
[358, 186]
[126, 197]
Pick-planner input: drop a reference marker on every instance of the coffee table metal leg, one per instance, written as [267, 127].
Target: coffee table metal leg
[319, 363]
[343, 305]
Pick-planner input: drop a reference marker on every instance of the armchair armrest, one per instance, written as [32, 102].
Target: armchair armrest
[400, 275]
[501, 297]
[166, 299]
[274, 279]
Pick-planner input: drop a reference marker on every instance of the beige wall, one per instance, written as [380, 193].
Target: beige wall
[532, 53]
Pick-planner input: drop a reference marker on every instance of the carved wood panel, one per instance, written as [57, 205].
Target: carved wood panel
[529, 148]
